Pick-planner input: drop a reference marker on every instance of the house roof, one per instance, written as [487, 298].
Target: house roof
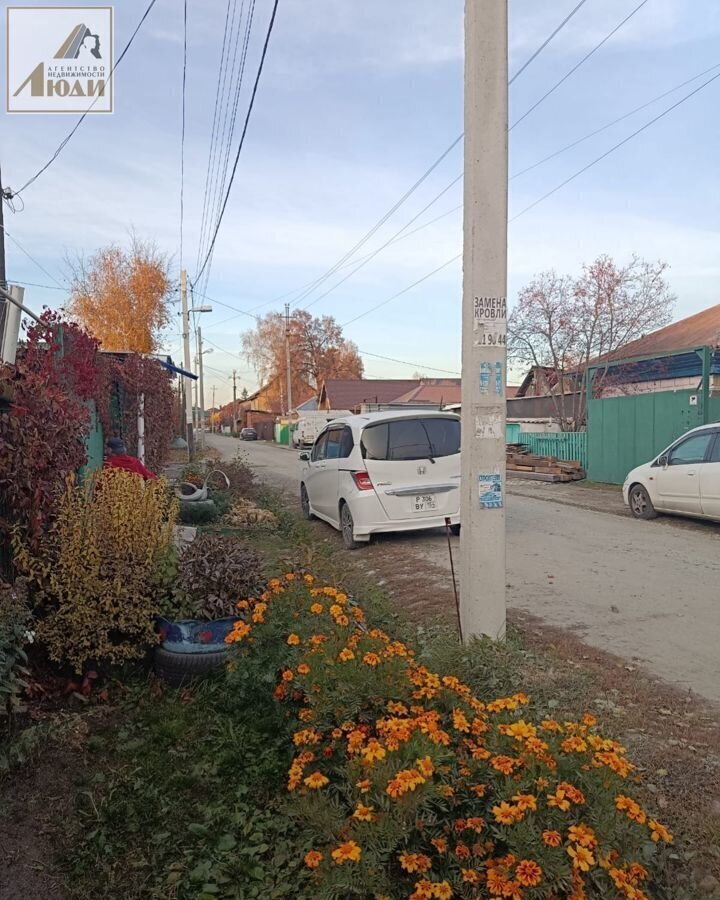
[438, 390]
[700, 330]
[347, 393]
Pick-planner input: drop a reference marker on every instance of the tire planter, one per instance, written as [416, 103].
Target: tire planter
[190, 648]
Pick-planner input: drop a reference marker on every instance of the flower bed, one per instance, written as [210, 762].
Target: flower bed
[408, 785]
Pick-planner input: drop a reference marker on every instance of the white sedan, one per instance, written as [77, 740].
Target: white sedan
[682, 480]
[387, 471]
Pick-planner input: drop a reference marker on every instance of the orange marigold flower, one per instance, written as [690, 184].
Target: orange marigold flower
[316, 780]
[239, 631]
[308, 579]
[242, 604]
[504, 764]
[316, 608]
[475, 823]
[460, 722]
[305, 715]
[581, 834]
[415, 862]
[558, 800]
[528, 873]
[342, 621]
[373, 751]
[638, 872]
[335, 610]
[371, 659]
[582, 858]
[479, 790]
[288, 675]
[442, 891]
[504, 813]
[347, 852]
[589, 720]
[573, 744]
[470, 876]
[306, 736]
[659, 832]
[313, 859]
[551, 725]
[303, 669]
[552, 838]
[446, 790]
[462, 851]
[346, 655]
[293, 640]
[290, 576]
[440, 844]
[404, 781]
[363, 786]
[425, 766]
[573, 794]
[525, 802]
[363, 813]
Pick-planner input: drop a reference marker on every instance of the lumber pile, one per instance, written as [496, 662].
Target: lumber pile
[521, 462]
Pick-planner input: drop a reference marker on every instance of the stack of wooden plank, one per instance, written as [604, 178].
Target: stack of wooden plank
[522, 462]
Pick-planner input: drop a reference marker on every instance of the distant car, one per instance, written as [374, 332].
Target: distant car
[683, 480]
[248, 434]
[384, 472]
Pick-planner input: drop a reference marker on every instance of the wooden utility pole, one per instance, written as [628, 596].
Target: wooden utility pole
[187, 386]
[484, 356]
[287, 359]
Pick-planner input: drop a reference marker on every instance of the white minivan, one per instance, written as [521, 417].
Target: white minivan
[683, 480]
[385, 471]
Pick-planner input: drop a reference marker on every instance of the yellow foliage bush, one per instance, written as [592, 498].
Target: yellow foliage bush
[96, 570]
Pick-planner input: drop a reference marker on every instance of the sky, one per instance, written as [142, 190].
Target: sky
[355, 102]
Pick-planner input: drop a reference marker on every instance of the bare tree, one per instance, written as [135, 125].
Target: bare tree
[567, 324]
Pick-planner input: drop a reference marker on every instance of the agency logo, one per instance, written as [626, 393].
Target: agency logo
[59, 59]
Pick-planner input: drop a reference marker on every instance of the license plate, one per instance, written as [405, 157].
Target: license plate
[425, 503]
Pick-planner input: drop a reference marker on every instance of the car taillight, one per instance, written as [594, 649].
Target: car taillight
[362, 480]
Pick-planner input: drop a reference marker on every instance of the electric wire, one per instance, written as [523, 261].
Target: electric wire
[33, 260]
[182, 133]
[79, 122]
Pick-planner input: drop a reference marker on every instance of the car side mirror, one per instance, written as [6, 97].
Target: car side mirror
[305, 456]
[664, 461]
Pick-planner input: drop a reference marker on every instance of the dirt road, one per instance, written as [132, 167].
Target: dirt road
[646, 591]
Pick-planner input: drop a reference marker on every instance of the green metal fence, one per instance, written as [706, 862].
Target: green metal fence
[568, 445]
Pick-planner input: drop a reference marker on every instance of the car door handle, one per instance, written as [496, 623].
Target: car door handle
[691, 474]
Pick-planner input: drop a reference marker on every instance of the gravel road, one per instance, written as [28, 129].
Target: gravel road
[646, 591]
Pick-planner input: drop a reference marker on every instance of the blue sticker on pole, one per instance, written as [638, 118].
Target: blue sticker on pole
[498, 379]
[490, 491]
[485, 371]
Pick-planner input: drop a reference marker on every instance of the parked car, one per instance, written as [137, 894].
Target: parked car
[248, 434]
[683, 480]
[384, 472]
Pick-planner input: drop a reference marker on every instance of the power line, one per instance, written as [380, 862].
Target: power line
[330, 272]
[405, 362]
[403, 291]
[32, 259]
[182, 135]
[79, 122]
[242, 138]
[578, 65]
[616, 147]
[617, 121]
[47, 287]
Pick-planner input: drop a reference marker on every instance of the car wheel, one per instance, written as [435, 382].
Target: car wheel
[640, 503]
[347, 527]
[305, 503]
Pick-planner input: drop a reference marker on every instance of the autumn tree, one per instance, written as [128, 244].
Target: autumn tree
[566, 323]
[121, 296]
[318, 350]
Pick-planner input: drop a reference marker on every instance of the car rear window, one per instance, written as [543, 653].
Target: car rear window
[408, 439]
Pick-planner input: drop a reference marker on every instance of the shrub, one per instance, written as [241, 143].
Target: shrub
[408, 785]
[99, 568]
[14, 621]
[215, 572]
[240, 476]
[198, 512]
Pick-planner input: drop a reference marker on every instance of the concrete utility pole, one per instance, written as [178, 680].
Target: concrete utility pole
[212, 424]
[234, 421]
[287, 358]
[3, 278]
[484, 356]
[202, 387]
[187, 386]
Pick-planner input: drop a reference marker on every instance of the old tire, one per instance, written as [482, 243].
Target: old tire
[178, 668]
[347, 528]
[640, 503]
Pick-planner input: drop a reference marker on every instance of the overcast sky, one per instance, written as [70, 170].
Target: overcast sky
[356, 101]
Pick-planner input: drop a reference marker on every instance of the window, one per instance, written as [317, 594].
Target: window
[692, 450]
[347, 443]
[320, 448]
[715, 455]
[333, 443]
[409, 439]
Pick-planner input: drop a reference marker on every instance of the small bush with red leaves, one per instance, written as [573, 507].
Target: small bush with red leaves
[408, 785]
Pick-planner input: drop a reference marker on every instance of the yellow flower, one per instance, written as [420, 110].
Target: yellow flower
[659, 832]
[308, 579]
[363, 813]
[552, 838]
[287, 675]
[316, 608]
[425, 766]
[415, 862]
[504, 813]
[363, 786]
[293, 640]
[442, 891]
[582, 858]
[346, 655]
[316, 780]
[371, 659]
[347, 852]
[313, 859]
[290, 576]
